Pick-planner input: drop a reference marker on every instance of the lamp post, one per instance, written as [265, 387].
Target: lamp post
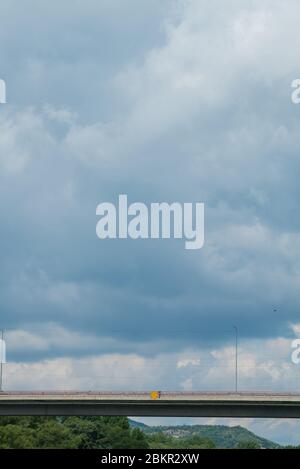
[236, 357]
[1, 359]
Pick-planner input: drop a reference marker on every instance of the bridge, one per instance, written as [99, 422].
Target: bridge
[157, 404]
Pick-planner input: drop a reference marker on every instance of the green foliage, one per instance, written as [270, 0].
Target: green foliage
[248, 444]
[291, 447]
[222, 436]
[13, 436]
[34, 432]
[70, 432]
[118, 433]
[106, 433]
[162, 441]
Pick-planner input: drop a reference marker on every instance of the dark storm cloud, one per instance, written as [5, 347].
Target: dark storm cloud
[148, 100]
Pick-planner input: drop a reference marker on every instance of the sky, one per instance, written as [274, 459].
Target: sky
[181, 100]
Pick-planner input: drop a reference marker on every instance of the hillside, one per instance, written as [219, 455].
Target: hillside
[222, 436]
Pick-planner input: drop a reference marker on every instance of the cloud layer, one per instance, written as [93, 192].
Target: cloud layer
[165, 101]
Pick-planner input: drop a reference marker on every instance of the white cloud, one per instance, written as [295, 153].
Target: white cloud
[183, 363]
[23, 137]
[262, 365]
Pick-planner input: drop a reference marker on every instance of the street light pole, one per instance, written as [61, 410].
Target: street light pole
[236, 357]
[1, 359]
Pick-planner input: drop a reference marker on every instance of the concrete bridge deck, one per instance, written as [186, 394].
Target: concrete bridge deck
[169, 404]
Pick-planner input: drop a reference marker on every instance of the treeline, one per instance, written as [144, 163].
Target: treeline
[86, 433]
[162, 441]
[92, 433]
[70, 433]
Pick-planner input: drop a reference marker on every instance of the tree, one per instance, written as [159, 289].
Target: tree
[106, 433]
[160, 440]
[14, 437]
[248, 444]
[52, 434]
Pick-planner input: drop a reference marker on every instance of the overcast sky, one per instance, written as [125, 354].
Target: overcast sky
[181, 100]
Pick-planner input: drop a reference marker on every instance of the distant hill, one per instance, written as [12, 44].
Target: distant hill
[139, 425]
[222, 436]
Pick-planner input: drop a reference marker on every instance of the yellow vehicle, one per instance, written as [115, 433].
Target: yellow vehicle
[155, 395]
